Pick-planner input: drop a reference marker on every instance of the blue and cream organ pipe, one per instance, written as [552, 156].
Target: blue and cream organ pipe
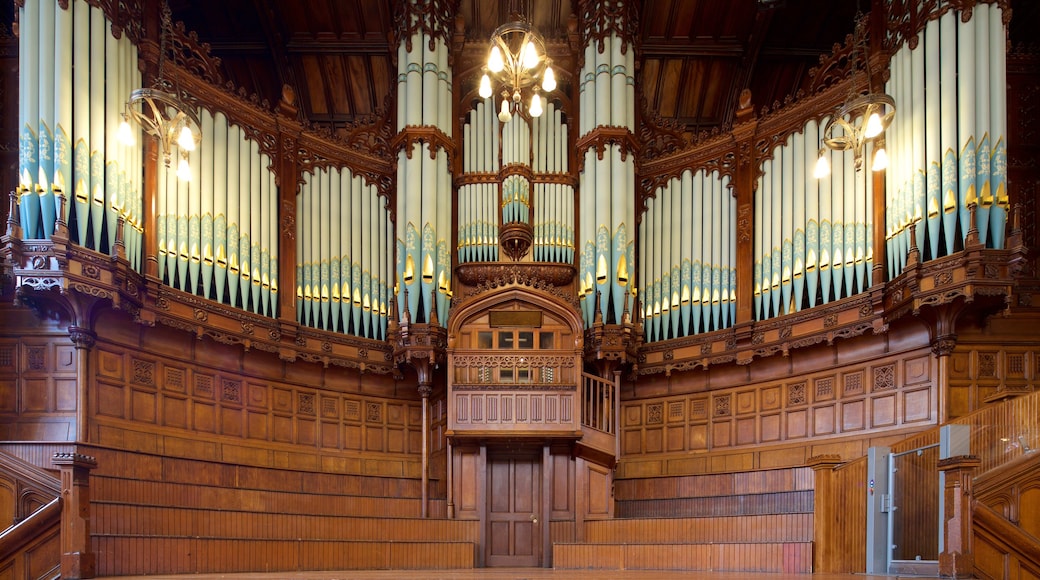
[343, 272]
[478, 222]
[811, 235]
[423, 178]
[687, 280]
[553, 201]
[950, 150]
[607, 180]
[218, 231]
[71, 68]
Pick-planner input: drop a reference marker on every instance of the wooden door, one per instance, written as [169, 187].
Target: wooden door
[514, 510]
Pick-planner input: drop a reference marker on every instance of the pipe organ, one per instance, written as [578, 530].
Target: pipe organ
[218, 232]
[811, 239]
[477, 197]
[553, 199]
[74, 76]
[949, 151]
[688, 274]
[532, 179]
[424, 99]
[606, 92]
[344, 245]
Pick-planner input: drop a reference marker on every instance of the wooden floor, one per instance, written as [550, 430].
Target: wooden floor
[509, 574]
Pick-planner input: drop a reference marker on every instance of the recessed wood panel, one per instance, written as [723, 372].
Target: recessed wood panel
[142, 406]
[823, 420]
[852, 415]
[720, 434]
[771, 429]
[205, 417]
[883, 411]
[256, 425]
[329, 435]
[36, 395]
[654, 440]
[698, 437]
[64, 358]
[306, 431]
[745, 402]
[175, 412]
[110, 364]
[917, 405]
[281, 428]
[373, 438]
[395, 440]
[917, 370]
[109, 400]
[65, 394]
[8, 395]
[676, 438]
[231, 422]
[771, 399]
[797, 424]
[746, 430]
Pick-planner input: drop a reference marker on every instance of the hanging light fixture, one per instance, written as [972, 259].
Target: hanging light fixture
[862, 118]
[162, 114]
[517, 61]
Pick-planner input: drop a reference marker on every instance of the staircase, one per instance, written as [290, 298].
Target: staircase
[738, 522]
[30, 544]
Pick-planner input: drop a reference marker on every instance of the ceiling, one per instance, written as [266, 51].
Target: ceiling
[695, 58]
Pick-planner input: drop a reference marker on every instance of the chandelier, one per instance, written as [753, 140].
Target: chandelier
[861, 119]
[517, 61]
[162, 114]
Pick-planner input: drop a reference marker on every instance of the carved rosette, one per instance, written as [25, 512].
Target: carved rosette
[944, 345]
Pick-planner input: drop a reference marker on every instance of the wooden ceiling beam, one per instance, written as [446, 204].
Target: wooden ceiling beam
[742, 79]
[302, 45]
[271, 24]
[702, 48]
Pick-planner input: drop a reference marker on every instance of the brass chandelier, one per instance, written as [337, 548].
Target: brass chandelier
[861, 119]
[517, 61]
[162, 114]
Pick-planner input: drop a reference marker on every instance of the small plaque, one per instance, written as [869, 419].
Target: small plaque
[525, 318]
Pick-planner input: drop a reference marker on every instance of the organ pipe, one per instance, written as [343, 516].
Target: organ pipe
[218, 233]
[73, 75]
[949, 150]
[810, 238]
[686, 279]
[338, 267]
[424, 190]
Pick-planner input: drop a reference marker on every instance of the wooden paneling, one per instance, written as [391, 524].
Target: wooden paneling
[779, 422]
[159, 403]
[37, 387]
[773, 491]
[771, 528]
[845, 511]
[731, 557]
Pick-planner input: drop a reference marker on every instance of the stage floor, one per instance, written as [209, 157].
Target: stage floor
[508, 574]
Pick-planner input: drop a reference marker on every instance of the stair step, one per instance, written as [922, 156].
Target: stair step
[784, 557]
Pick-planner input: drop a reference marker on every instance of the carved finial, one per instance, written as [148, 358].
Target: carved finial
[599, 314]
[433, 307]
[406, 317]
[625, 317]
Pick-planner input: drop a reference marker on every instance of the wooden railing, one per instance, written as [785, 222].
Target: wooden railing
[999, 434]
[1012, 539]
[29, 549]
[599, 404]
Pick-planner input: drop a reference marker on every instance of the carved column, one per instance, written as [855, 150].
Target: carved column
[425, 388]
[286, 177]
[942, 348]
[825, 512]
[956, 559]
[84, 340]
[77, 561]
[744, 180]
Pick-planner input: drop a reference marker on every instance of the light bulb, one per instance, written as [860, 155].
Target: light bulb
[125, 134]
[186, 141]
[536, 106]
[495, 63]
[549, 80]
[485, 87]
[504, 115]
[823, 167]
[873, 128]
[530, 55]
[183, 170]
[880, 160]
